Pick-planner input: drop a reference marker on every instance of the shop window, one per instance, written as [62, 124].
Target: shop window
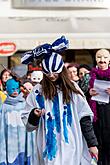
[80, 56]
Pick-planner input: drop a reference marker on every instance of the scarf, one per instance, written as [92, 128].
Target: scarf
[97, 73]
[14, 100]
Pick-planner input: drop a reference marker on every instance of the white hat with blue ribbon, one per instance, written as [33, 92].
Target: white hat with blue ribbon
[52, 61]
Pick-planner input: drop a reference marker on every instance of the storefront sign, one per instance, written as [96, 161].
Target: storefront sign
[60, 3]
[7, 48]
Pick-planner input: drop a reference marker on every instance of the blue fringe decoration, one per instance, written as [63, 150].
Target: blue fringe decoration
[65, 107]
[65, 131]
[56, 113]
[69, 114]
[40, 100]
[51, 147]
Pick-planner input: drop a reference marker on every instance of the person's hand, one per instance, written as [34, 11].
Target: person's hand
[39, 112]
[94, 151]
[107, 91]
[93, 92]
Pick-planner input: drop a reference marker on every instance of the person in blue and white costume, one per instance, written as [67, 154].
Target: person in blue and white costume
[58, 112]
[16, 146]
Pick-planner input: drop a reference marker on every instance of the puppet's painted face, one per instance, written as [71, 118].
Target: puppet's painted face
[28, 86]
[36, 76]
[103, 58]
[12, 87]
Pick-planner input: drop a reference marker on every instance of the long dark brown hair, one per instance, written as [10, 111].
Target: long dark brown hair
[49, 88]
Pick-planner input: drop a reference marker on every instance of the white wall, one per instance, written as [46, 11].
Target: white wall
[77, 40]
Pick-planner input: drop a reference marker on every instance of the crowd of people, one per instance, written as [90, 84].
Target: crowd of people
[55, 116]
[17, 146]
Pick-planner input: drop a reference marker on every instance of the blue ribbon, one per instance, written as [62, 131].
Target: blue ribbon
[51, 142]
[44, 50]
[65, 131]
[56, 113]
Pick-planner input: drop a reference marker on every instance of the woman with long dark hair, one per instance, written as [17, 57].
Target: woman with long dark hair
[59, 112]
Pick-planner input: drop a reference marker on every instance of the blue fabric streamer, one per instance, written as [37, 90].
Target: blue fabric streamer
[65, 127]
[69, 114]
[56, 113]
[40, 100]
[51, 142]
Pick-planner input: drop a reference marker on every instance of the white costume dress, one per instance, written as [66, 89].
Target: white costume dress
[59, 137]
[17, 147]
